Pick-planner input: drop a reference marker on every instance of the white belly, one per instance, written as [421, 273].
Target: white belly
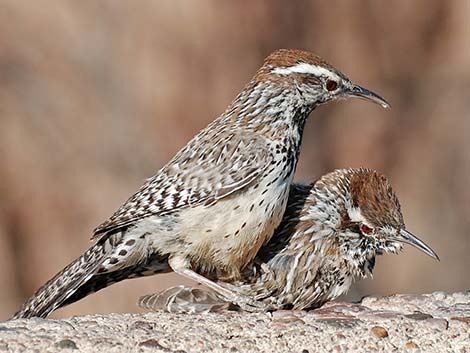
[229, 233]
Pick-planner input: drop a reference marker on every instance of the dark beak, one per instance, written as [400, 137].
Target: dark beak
[408, 238]
[363, 93]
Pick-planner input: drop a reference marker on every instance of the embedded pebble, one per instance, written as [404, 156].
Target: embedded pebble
[66, 344]
[439, 324]
[379, 331]
[151, 343]
[411, 344]
[141, 325]
[417, 315]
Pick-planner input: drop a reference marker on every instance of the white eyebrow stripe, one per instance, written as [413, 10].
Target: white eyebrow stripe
[304, 68]
[355, 215]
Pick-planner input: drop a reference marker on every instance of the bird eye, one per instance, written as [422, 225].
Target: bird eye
[331, 85]
[365, 229]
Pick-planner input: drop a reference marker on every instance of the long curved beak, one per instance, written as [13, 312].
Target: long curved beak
[408, 238]
[360, 92]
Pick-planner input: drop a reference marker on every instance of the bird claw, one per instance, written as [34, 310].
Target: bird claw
[244, 302]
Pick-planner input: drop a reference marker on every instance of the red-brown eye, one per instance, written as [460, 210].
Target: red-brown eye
[365, 229]
[331, 85]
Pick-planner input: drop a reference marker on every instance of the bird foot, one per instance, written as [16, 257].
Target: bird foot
[243, 301]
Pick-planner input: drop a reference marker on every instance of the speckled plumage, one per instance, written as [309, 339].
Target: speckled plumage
[318, 249]
[211, 207]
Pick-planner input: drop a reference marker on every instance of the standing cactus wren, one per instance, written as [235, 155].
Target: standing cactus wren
[331, 233]
[208, 211]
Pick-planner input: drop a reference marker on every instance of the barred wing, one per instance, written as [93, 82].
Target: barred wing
[195, 177]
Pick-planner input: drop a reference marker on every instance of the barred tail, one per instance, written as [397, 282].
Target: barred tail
[57, 290]
[153, 265]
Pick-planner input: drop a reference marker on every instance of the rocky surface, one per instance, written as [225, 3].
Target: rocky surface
[436, 322]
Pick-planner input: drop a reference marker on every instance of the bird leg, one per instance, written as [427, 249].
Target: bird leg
[223, 290]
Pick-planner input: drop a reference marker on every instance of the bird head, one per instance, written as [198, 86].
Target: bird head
[372, 222]
[313, 79]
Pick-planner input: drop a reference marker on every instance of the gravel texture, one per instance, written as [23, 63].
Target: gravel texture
[437, 322]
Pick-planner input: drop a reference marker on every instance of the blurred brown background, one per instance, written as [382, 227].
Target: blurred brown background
[95, 96]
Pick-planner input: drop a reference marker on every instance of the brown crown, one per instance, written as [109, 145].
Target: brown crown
[289, 57]
[372, 193]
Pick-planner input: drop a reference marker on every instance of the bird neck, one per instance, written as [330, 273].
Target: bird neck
[275, 110]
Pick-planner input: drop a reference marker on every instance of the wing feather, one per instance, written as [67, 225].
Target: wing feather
[195, 177]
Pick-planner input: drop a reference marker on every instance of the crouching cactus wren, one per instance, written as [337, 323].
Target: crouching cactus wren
[207, 212]
[331, 233]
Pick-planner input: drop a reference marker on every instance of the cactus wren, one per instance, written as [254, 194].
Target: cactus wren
[331, 233]
[208, 211]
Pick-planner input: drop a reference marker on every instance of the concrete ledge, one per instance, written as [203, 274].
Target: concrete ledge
[436, 322]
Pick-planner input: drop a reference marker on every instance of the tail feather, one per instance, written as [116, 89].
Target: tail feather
[153, 265]
[58, 289]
